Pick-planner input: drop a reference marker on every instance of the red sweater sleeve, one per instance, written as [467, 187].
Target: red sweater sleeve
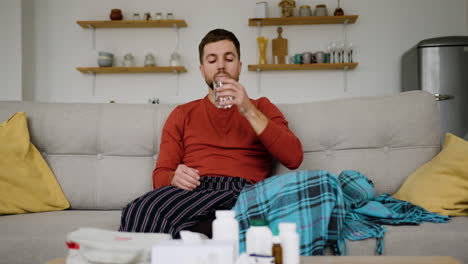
[171, 149]
[279, 139]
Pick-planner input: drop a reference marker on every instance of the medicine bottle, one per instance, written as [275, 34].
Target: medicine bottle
[289, 242]
[226, 228]
[277, 250]
[259, 238]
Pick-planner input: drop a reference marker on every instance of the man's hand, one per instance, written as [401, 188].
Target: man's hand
[185, 178]
[235, 90]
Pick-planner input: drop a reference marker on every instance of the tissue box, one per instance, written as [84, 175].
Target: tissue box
[203, 252]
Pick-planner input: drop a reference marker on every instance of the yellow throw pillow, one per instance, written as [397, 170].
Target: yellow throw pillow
[27, 184]
[441, 185]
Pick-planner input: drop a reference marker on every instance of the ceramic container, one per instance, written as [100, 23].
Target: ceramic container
[305, 10]
[319, 56]
[116, 14]
[321, 10]
[307, 57]
[105, 59]
[296, 59]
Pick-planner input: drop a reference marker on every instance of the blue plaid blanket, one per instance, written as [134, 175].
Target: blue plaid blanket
[326, 209]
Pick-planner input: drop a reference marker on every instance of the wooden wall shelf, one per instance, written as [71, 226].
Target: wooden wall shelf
[302, 67]
[169, 69]
[132, 23]
[276, 21]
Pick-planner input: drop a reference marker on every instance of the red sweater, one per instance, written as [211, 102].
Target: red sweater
[222, 142]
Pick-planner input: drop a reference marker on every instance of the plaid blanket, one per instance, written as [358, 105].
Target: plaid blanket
[366, 213]
[326, 209]
[311, 199]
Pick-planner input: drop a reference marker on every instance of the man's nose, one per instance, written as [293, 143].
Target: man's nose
[220, 64]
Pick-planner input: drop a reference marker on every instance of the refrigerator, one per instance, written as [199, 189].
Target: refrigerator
[440, 66]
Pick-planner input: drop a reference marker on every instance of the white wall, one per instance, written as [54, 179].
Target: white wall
[384, 31]
[10, 50]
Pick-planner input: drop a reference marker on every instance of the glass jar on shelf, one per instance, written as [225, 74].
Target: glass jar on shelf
[158, 16]
[136, 16]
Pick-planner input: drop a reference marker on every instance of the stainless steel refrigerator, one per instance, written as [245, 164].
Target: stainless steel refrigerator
[440, 66]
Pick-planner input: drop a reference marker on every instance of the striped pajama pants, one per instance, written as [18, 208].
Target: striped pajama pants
[170, 209]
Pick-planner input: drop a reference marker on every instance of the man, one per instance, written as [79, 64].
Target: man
[208, 154]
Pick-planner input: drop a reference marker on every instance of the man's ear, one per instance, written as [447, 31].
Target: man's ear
[202, 70]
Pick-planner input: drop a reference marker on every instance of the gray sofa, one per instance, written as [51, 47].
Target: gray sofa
[103, 156]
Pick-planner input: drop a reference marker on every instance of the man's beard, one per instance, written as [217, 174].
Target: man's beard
[210, 81]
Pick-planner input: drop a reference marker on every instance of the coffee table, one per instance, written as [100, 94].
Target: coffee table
[358, 260]
[379, 260]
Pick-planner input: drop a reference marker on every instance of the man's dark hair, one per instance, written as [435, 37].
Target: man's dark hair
[216, 35]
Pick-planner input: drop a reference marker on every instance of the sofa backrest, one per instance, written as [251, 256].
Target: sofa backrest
[385, 137]
[103, 155]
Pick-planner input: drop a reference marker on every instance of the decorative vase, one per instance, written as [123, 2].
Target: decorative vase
[262, 46]
[116, 14]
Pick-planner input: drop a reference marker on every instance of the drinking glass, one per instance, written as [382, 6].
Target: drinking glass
[349, 51]
[341, 48]
[332, 48]
[218, 83]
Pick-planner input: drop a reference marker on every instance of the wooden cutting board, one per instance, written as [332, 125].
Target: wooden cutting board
[280, 47]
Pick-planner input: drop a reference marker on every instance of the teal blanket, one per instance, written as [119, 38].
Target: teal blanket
[327, 210]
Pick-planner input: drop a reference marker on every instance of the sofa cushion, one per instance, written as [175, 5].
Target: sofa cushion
[26, 182]
[427, 239]
[441, 185]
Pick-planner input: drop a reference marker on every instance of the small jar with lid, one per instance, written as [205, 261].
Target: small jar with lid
[158, 16]
[128, 60]
[136, 16]
[170, 16]
[321, 10]
[305, 10]
[150, 61]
